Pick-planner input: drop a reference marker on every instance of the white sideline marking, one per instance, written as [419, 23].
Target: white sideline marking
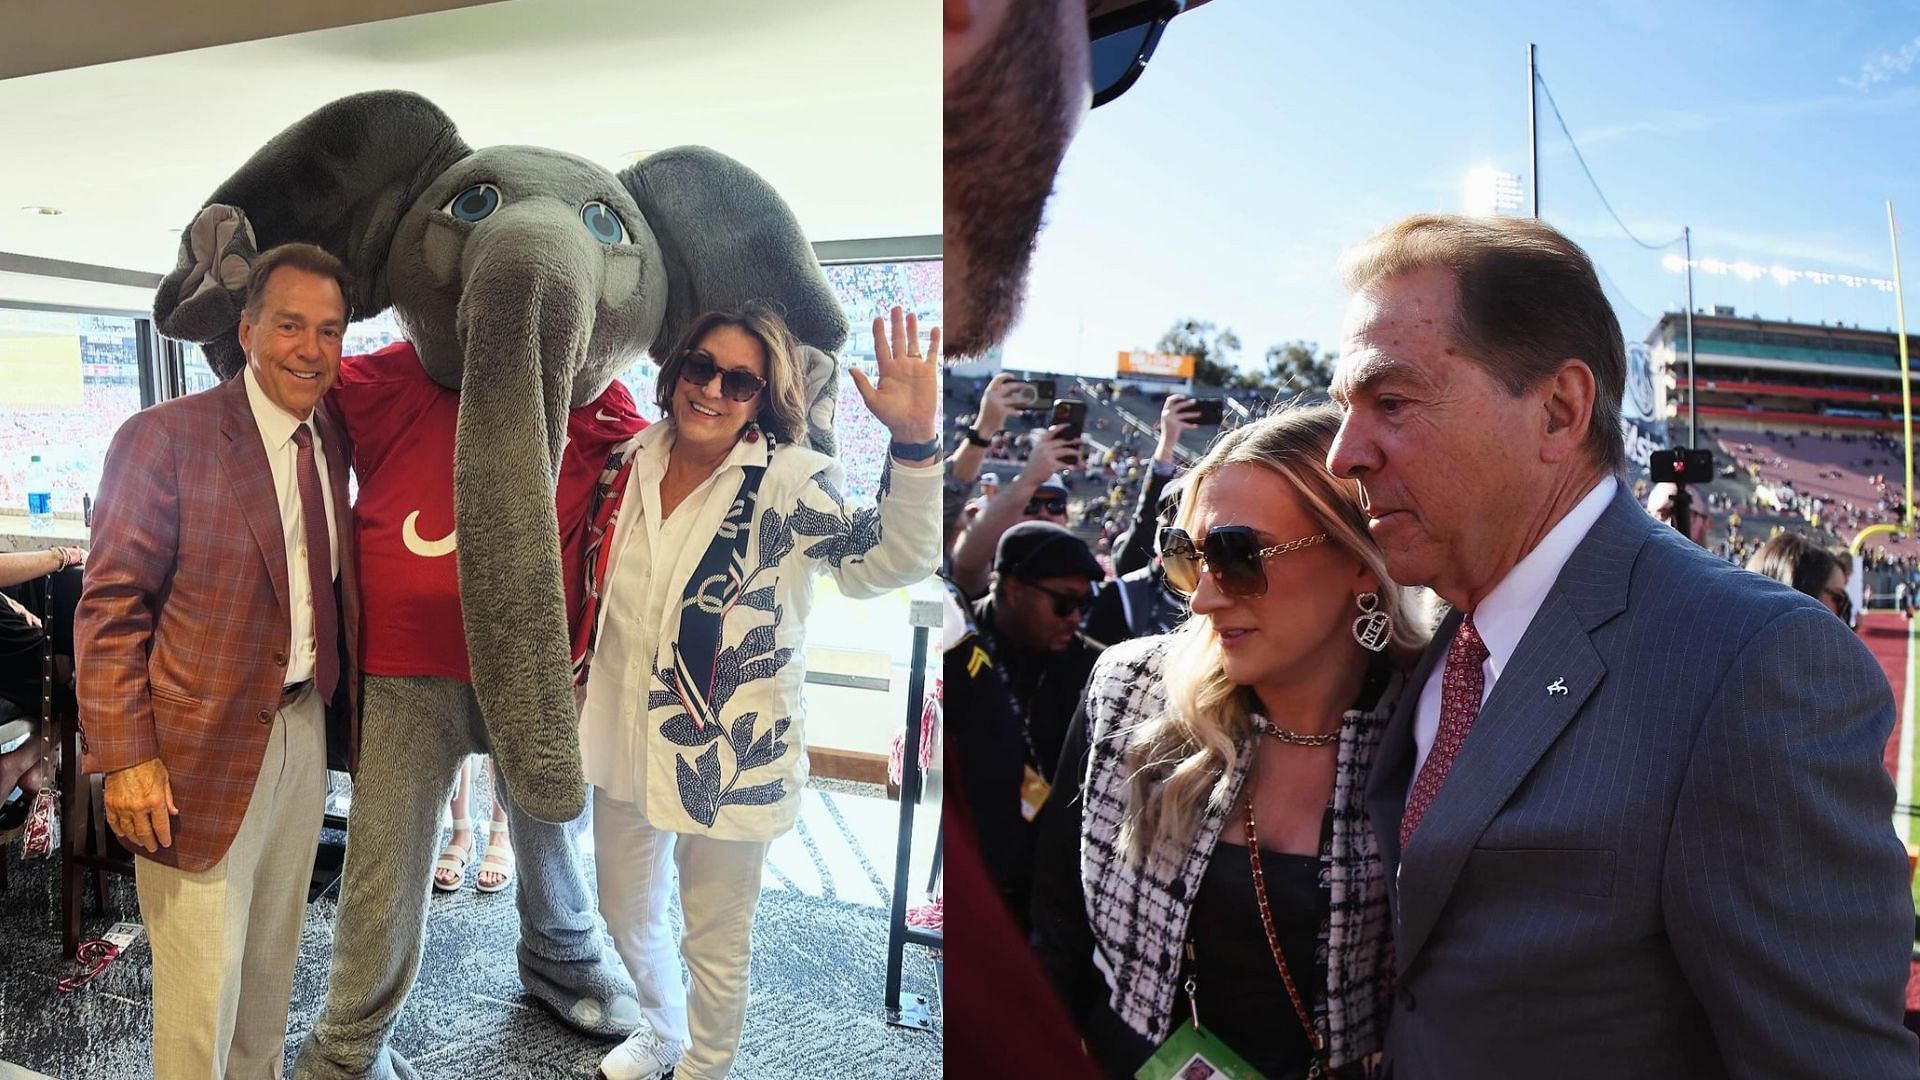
[1903, 781]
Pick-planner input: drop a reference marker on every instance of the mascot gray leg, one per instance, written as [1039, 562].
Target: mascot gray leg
[413, 736]
[564, 960]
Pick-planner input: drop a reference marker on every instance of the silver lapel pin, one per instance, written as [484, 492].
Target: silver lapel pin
[1558, 686]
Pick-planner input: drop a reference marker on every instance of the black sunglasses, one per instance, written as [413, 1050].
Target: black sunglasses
[1231, 553]
[1123, 42]
[1065, 603]
[1055, 505]
[1843, 604]
[736, 384]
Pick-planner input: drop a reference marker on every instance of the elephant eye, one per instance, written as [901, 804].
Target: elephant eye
[475, 203]
[603, 223]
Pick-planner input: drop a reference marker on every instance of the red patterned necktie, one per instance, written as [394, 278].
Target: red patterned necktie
[1463, 680]
[313, 517]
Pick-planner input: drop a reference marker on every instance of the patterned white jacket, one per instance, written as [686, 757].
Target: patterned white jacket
[724, 726]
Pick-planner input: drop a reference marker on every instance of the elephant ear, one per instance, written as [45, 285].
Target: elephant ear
[729, 238]
[822, 392]
[341, 178]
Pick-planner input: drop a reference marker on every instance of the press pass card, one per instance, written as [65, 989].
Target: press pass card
[1194, 1054]
[123, 935]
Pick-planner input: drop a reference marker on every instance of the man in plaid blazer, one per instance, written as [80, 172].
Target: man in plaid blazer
[215, 632]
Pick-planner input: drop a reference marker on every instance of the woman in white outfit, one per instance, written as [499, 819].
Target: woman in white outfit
[693, 731]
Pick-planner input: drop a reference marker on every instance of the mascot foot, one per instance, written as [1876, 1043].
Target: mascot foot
[312, 1064]
[595, 998]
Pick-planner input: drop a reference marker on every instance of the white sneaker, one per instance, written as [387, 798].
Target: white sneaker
[641, 1057]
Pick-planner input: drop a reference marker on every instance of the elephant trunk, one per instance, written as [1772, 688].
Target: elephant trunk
[523, 339]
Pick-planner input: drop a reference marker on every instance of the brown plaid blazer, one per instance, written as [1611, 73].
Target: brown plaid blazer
[181, 632]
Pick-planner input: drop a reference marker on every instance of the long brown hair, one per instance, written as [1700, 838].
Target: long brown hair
[783, 401]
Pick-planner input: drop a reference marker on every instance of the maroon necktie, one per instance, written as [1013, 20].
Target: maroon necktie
[1463, 680]
[326, 622]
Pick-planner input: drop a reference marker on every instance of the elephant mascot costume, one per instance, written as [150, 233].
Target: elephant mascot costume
[525, 279]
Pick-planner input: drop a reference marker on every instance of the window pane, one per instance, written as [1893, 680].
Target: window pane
[372, 335]
[199, 375]
[869, 291]
[66, 383]
[855, 646]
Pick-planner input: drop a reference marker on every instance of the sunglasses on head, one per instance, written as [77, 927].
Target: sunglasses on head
[1056, 504]
[1065, 603]
[736, 384]
[1231, 553]
[1123, 42]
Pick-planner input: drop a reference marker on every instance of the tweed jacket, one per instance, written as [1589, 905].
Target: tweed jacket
[181, 630]
[1139, 913]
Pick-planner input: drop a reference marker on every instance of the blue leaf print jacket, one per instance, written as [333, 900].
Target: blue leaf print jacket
[724, 728]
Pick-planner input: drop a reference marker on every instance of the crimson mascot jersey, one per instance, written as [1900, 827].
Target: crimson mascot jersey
[402, 426]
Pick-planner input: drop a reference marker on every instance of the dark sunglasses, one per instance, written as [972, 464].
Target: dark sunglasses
[1123, 42]
[1055, 505]
[1231, 553]
[1065, 603]
[737, 385]
[1843, 605]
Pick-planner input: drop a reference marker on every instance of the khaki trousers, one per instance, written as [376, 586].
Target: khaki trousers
[225, 939]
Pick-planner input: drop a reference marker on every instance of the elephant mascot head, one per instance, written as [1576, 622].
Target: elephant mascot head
[525, 279]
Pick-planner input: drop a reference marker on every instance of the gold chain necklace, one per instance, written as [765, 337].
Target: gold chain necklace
[1279, 959]
[1294, 738]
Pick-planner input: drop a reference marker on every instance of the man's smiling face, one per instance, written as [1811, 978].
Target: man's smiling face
[293, 342]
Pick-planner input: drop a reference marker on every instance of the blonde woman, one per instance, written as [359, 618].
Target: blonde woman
[1224, 861]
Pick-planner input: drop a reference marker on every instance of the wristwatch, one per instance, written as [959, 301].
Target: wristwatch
[977, 439]
[915, 451]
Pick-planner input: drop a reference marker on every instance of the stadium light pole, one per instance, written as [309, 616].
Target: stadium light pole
[1906, 378]
[1533, 132]
[1693, 415]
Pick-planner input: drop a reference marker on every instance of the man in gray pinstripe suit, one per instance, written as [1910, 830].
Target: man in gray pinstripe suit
[1637, 816]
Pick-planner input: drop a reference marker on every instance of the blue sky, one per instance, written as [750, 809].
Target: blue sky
[1266, 137]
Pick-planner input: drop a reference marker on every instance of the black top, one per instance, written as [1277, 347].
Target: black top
[20, 650]
[1046, 686]
[993, 708]
[1242, 1000]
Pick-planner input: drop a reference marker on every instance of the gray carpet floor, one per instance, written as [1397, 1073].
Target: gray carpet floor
[818, 975]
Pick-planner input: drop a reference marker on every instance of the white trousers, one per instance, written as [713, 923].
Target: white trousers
[225, 939]
[719, 888]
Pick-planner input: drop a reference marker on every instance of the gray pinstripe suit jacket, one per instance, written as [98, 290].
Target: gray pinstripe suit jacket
[1682, 867]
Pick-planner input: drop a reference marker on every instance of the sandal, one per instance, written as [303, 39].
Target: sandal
[498, 861]
[454, 859]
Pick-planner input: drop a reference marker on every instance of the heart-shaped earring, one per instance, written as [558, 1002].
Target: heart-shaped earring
[1374, 627]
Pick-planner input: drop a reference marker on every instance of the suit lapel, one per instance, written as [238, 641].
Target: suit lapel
[1520, 720]
[244, 460]
[1551, 675]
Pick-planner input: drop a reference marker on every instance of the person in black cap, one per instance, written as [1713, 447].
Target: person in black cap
[1012, 687]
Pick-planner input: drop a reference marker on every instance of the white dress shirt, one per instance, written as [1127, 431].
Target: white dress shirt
[633, 608]
[1503, 617]
[283, 457]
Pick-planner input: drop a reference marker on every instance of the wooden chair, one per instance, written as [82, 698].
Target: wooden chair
[86, 848]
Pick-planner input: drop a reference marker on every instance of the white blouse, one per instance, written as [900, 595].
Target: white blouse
[612, 748]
